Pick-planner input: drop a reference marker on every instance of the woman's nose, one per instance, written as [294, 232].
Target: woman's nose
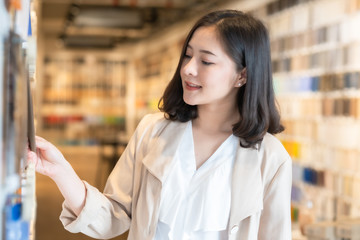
[190, 67]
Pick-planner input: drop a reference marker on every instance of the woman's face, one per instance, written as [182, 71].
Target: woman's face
[208, 74]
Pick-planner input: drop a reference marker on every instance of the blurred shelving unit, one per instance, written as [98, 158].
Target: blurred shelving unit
[84, 98]
[17, 77]
[316, 66]
[155, 70]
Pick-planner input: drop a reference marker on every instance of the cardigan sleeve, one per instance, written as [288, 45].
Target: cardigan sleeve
[275, 222]
[106, 215]
[100, 218]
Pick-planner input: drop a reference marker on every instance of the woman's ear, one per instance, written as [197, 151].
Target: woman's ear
[242, 78]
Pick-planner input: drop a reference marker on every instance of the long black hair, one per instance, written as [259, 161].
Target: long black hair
[246, 41]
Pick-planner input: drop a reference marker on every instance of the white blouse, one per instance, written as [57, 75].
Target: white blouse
[195, 204]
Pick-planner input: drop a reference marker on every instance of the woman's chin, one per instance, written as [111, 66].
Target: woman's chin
[189, 102]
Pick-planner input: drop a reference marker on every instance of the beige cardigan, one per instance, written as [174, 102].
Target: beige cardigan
[261, 187]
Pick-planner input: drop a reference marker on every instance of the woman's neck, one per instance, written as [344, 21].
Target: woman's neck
[216, 119]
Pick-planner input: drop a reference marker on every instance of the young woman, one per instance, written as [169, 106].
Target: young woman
[208, 166]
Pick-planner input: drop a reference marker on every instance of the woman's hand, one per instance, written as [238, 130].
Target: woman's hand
[48, 160]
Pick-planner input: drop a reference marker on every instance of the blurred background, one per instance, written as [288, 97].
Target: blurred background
[95, 68]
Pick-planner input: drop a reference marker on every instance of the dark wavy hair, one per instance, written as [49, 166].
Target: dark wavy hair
[246, 42]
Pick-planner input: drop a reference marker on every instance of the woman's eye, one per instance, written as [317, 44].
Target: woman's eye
[206, 63]
[187, 56]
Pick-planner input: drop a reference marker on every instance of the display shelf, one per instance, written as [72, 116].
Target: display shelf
[155, 71]
[17, 183]
[316, 65]
[84, 95]
[4, 33]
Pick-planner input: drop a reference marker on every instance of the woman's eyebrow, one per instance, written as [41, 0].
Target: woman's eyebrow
[203, 50]
[207, 52]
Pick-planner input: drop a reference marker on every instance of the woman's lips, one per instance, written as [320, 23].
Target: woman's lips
[191, 86]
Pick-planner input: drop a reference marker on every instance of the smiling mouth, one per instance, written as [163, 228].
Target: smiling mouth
[192, 86]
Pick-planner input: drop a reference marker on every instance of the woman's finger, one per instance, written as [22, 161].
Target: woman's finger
[41, 144]
[31, 157]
